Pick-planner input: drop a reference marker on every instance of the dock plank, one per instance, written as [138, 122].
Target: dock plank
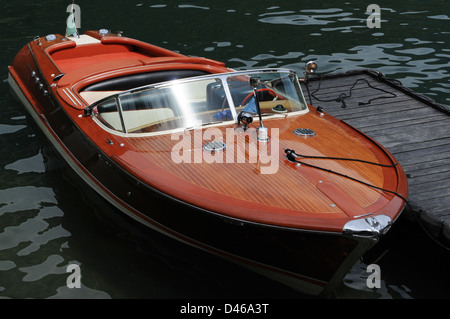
[423, 167]
[400, 126]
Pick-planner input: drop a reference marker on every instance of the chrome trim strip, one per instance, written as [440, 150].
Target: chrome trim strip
[221, 76]
[70, 94]
[363, 215]
[119, 108]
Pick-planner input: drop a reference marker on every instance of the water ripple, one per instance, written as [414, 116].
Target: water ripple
[7, 265]
[12, 199]
[33, 164]
[83, 292]
[440, 17]
[8, 129]
[189, 6]
[39, 271]
[296, 19]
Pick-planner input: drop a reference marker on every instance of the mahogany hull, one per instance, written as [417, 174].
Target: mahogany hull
[310, 260]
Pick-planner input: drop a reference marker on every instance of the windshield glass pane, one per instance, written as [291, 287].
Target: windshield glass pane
[276, 92]
[180, 105]
[108, 113]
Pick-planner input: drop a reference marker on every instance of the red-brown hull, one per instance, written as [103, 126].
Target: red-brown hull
[297, 240]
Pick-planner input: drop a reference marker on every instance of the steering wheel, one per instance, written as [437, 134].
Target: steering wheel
[270, 91]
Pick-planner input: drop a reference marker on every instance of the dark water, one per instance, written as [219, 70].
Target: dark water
[49, 219]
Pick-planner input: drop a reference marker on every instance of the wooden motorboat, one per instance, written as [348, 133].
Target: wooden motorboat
[233, 162]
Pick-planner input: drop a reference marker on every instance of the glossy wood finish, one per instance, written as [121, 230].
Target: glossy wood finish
[296, 197]
[293, 196]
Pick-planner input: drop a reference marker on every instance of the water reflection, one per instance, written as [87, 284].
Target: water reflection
[32, 164]
[311, 17]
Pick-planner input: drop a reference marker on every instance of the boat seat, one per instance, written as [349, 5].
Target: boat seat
[93, 96]
[137, 119]
[97, 68]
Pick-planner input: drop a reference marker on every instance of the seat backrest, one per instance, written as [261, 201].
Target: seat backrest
[128, 82]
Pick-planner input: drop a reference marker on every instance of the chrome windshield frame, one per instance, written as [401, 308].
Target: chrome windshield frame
[221, 76]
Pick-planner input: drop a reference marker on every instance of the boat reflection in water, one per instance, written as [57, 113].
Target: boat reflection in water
[232, 162]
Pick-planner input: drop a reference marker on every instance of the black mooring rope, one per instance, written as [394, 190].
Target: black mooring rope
[341, 98]
[292, 156]
[346, 159]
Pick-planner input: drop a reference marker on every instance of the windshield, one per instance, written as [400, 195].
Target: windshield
[203, 100]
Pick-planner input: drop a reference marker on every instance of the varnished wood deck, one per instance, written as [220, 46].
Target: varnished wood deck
[414, 128]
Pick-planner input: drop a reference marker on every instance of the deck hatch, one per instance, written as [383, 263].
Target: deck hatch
[304, 132]
[214, 146]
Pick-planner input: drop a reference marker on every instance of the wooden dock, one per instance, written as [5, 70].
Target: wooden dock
[414, 128]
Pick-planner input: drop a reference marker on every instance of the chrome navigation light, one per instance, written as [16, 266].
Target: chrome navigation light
[373, 226]
[311, 67]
